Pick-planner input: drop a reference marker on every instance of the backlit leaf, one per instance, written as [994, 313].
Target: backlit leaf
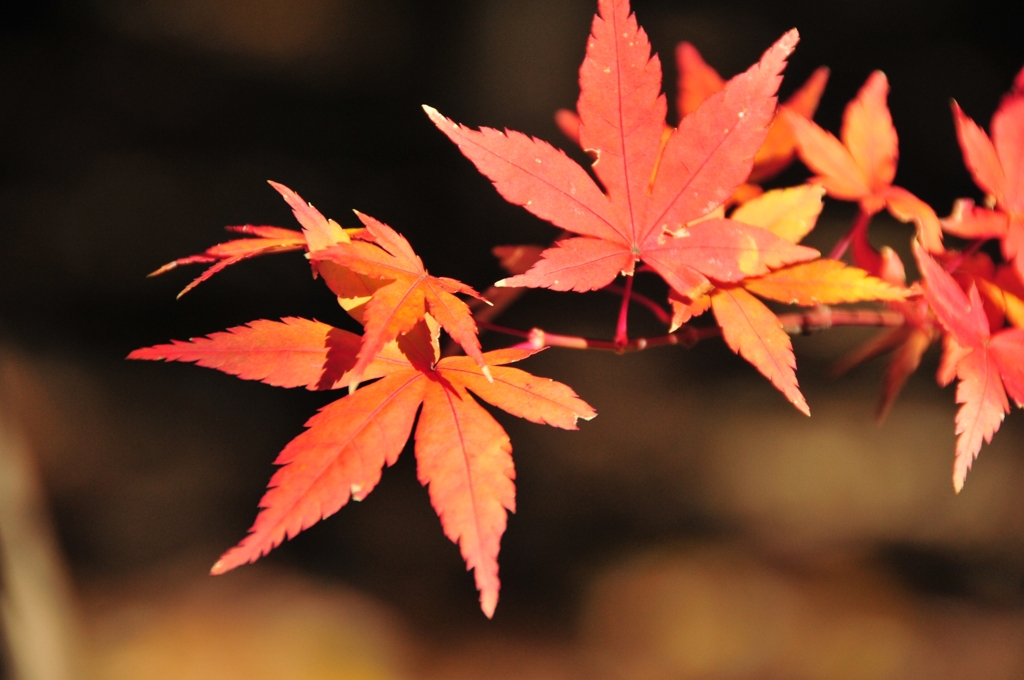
[654, 187]
[755, 333]
[789, 213]
[822, 282]
[408, 293]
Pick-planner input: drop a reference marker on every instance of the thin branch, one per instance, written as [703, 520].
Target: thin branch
[503, 329]
[798, 323]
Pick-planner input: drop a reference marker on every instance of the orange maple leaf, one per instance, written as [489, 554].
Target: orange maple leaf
[862, 166]
[266, 240]
[463, 454]
[748, 326]
[407, 293]
[697, 81]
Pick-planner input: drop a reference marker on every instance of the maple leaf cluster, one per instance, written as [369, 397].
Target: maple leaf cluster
[463, 455]
[681, 203]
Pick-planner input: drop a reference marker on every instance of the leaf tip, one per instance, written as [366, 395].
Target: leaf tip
[138, 354]
[790, 39]
[801, 405]
[486, 370]
[285, 192]
[163, 270]
[488, 602]
[433, 114]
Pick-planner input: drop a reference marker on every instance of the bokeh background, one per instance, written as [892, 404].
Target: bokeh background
[699, 528]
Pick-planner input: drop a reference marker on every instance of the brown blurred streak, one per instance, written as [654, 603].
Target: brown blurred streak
[39, 618]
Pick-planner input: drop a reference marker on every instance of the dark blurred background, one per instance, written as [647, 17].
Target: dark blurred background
[699, 527]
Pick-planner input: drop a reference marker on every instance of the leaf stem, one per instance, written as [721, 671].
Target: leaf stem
[798, 323]
[621, 328]
[656, 309]
[859, 223]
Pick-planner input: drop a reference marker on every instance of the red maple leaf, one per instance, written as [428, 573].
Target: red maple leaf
[655, 190]
[862, 166]
[988, 365]
[697, 81]
[997, 166]
[463, 454]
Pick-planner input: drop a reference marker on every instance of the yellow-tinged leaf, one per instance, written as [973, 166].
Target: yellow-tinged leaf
[405, 294]
[755, 333]
[822, 282]
[1010, 305]
[744, 192]
[319, 231]
[684, 309]
[790, 213]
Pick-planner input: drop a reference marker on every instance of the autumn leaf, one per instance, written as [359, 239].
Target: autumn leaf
[653, 196]
[317, 233]
[749, 327]
[792, 213]
[987, 365]
[753, 331]
[684, 309]
[789, 213]
[463, 454]
[293, 352]
[408, 292]
[907, 342]
[862, 166]
[697, 81]
[514, 260]
[353, 289]
[1011, 306]
[822, 282]
[997, 166]
[265, 240]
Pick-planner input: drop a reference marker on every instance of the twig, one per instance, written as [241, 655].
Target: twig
[799, 323]
[859, 223]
